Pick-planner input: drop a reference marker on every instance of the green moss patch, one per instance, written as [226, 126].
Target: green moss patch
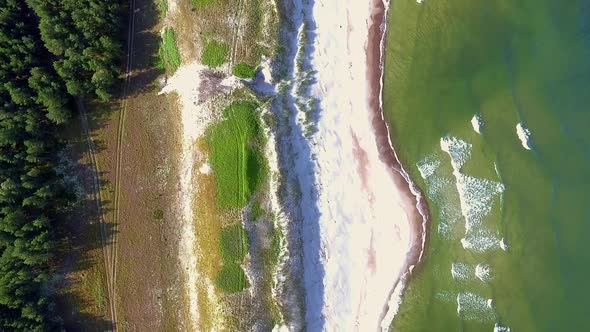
[162, 7]
[244, 70]
[233, 243]
[235, 154]
[214, 53]
[168, 55]
[231, 279]
[202, 3]
[257, 211]
[158, 215]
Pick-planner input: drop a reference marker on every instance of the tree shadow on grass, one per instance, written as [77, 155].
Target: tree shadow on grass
[84, 239]
[144, 72]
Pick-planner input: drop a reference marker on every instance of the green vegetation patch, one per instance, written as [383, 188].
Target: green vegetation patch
[162, 7]
[257, 211]
[215, 53]
[169, 56]
[244, 70]
[158, 215]
[231, 279]
[202, 3]
[236, 156]
[233, 244]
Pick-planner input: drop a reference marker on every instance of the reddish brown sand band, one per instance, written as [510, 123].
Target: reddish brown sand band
[414, 205]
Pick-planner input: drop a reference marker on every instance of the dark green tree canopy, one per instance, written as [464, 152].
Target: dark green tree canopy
[50, 50]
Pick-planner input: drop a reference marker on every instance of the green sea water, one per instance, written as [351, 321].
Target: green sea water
[509, 237]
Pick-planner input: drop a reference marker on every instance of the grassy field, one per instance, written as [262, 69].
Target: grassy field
[232, 197]
[239, 168]
[251, 34]
[209, 222]
[202, 3]
[215, 53]
[148, 291]
[162, 8]
[231, 278]
[168, 54]
[235, 154]
[233, 243]
[243, 70]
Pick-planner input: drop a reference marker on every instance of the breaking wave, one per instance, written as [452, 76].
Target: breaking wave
[471, 306]
[524, 135]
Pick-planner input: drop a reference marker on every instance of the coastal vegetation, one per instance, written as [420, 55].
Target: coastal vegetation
[233, 243]
[236, 159]
[234, 246]
[76, 53]
[231, 170]
[168, 54]
[243, 70]
[236, 156]
[215, 53]
[202, 3]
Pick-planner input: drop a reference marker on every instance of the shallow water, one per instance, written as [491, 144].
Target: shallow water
[509, 205]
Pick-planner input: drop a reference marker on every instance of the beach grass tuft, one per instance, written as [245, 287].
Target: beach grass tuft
[162, 8]
[214, 53]
[244, 70]
[168, 54]
[202, 3]
[233, 244]
[231, 279]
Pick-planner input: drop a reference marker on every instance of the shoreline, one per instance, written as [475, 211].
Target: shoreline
[414, 204]
[365, 213]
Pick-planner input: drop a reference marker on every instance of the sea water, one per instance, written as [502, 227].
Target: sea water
[488, 104]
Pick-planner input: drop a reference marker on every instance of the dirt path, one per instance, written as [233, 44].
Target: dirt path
[120, 131]
[109, 248]
[236, 32]
[97, 198]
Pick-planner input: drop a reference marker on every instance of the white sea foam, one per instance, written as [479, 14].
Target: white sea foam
[483, 272]
[477, 197]
[471, 306]
[480, 242]
[364, 230]
[477, 123]
[458, 150]
[524, 134]
[395, 301]
[503, 244]
[428, 166]
[476, 194]
[461, 271]
[441, 189]
[500, 328]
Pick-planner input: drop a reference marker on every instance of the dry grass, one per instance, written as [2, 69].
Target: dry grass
[82, 301]
[209, 223]
[149, 280]
[248, 26]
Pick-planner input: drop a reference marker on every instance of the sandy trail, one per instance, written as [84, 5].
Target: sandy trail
[196, 115]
